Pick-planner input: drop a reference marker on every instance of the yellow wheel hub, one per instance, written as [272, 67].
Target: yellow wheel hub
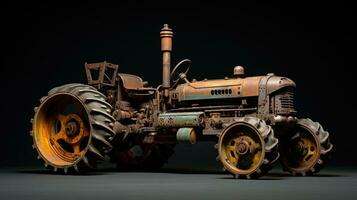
[241, 150]
[61, 130]
[304, 151]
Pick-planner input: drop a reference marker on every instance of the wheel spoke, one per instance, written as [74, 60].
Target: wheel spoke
[232, 155]
[61, 118]
[234, 162]
[83, 132]
[257, 146]
[231, 148]
[76, 148]
[59, 135]
[310, 153]
[256, 158]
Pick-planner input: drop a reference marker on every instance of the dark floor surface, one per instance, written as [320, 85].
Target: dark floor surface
[171, 183]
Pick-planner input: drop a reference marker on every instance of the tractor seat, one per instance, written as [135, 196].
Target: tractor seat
[134, 85]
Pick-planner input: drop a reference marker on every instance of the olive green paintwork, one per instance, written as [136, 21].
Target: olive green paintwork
[186, 135]
[186, 119]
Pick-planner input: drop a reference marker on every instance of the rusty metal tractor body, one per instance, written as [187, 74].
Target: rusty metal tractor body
[252, 119]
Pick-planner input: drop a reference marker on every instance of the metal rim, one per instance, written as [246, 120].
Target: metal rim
[303, 151]
[61, 130]
[241, 149]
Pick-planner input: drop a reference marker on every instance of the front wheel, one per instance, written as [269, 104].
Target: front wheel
[306, 150]
[247, 148]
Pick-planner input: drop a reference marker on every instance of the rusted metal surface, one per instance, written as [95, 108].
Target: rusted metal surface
[283, 103]
[131, 82]
[101, 74]
[69, 127]
[305, 152]
[186, 135]
[242, 148]
[238, 72]
[277, 82]
[137, 125]
[166, 35]
[183, 119]
[219, 89]
[263, 98]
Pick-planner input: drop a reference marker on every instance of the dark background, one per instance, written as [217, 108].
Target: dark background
[46, 45]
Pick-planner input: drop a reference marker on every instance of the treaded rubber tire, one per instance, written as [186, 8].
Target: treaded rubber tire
[101, 122]
[325, 148]
[271, 144]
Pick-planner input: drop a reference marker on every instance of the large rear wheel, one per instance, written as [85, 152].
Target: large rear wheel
[72, 128]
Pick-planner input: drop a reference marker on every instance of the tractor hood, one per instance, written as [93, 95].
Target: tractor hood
[230, 88]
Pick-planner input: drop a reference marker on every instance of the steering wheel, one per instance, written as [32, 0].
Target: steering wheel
[176, 76]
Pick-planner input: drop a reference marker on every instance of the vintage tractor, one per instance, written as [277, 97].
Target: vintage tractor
[252, 120]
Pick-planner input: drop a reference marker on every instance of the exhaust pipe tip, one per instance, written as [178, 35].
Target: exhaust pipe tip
[166, 35]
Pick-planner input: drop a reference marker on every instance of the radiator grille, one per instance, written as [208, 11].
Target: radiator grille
[284, 103]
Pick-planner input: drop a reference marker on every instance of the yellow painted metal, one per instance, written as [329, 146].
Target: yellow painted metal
[241, 164]
[52, 135]
[308, 158]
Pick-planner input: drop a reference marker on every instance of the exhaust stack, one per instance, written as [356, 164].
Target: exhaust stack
[166, 35]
